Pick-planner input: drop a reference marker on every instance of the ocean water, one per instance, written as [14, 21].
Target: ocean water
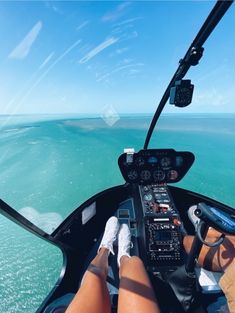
[50, 165]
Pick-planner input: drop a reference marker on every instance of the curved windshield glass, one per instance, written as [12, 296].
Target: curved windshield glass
[79, 82]
[29, 267]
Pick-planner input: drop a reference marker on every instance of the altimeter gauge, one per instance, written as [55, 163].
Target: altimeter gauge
[132, 175]
[165, 162]
[145, 175]
[172, 175]
[139, 161]
[158, 175]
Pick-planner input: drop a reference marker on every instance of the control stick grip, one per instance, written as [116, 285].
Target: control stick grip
[222, 221]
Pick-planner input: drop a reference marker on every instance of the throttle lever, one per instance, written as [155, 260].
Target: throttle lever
[209, 244]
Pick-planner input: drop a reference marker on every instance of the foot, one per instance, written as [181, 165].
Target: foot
[124, 242]
[193, 218]
[110, 234]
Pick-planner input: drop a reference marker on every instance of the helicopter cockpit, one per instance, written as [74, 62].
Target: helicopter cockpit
[155, 209]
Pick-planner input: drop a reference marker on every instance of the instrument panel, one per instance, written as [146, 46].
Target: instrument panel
[163, 227]
[155, 166]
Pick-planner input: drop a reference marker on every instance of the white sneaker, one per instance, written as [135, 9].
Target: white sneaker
[193, 218]
[124, 242]
[110, 234]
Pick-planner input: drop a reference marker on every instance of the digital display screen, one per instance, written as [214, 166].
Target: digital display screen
[123, 213]
[179, 161]
[163, 235]
[152, 160]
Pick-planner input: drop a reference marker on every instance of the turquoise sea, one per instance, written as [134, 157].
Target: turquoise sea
[49, 165]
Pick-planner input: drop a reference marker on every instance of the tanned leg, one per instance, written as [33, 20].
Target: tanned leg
[135, 289]
[93, 296]
[217, 258]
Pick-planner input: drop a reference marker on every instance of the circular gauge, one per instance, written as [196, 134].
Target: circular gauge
[139, 161]
[145, 175]
[132, 175]
[148, 197]
[165, 162]
[158, 175]
[172, 175]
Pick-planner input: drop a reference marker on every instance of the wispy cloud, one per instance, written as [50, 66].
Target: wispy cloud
[50, 5]
[50, 68]
[128, 21]
[118, 12]
[119, 51]
[82, 25]
[128, 36]
[105, 44]
[48, 58]
[122, 50]
[57, 10]
[121, 68]
[23, 48]
[27, 83]
[212, 97]
[42, 76]
[134, 67]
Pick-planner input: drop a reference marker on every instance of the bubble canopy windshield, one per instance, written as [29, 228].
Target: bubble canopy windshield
[80, 81]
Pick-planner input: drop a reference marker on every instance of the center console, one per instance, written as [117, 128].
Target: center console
[159, 226]
[163, 227]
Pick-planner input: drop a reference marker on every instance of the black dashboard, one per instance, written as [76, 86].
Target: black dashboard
[155, 166]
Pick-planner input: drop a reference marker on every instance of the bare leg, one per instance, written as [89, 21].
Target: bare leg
[217, 258]
[93, 296]
[135, 290]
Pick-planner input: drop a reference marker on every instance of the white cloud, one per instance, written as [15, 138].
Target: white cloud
[130, 20]
[43, 75]
[57, 10]
[23, 48]
[46, 60]
[50, 68]
[133, 67]
[116, 13]
[98, 49]
[128, 36]
[121, 68]
[82, 25]
[212, 97]
[122, 50]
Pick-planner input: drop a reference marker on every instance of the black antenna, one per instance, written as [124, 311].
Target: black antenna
[191, 57]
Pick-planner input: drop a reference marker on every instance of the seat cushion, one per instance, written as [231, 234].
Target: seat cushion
[60, 305]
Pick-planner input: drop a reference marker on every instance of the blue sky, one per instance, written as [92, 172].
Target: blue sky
[82, 57]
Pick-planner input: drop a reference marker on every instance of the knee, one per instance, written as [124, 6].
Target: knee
[131, 262]
[136, 260]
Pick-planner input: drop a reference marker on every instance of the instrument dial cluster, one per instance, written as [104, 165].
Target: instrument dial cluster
[155, 166]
